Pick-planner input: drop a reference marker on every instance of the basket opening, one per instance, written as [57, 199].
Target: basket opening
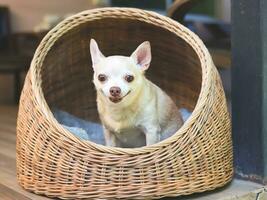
[67, 73]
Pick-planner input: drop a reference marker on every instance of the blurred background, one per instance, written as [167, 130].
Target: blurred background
[23, 23]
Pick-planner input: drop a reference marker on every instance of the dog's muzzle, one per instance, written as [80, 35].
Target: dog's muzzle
[118, 99]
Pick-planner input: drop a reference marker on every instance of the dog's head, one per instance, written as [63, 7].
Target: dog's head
[120, 78]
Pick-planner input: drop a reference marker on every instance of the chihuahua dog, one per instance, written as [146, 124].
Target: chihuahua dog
[134, 111]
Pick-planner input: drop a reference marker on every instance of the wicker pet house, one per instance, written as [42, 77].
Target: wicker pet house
[52, 161]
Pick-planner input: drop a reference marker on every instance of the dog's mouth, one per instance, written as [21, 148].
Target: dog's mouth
[118, 99]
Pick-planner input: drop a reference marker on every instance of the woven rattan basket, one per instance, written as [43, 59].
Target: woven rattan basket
[53, 162]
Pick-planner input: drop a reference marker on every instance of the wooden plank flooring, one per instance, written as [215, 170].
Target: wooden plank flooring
[9, 188]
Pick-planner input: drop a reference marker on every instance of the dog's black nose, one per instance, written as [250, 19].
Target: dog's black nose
[115, 91]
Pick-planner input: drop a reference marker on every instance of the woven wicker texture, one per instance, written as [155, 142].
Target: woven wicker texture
[53, 162]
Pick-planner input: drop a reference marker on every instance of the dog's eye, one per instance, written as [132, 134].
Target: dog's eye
[129, 78]
[102, 77]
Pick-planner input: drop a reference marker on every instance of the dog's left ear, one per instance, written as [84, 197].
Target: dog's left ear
[142, 55]
[96, 54]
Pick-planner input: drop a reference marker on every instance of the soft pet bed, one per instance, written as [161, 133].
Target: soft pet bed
[87, 130]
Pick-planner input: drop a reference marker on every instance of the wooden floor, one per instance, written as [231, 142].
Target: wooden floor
[9, 188]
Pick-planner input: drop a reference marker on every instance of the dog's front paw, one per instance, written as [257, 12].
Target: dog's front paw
[110, 143]
[110, 138]
[152, 136]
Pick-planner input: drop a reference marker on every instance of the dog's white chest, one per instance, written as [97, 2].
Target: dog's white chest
[119, 121]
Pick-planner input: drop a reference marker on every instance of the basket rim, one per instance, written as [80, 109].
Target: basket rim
[121, 13]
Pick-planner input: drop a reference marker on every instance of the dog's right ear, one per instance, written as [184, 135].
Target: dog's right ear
[142, 55]
[96, 54]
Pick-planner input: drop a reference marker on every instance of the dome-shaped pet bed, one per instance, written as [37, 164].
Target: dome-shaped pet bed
[53, 162]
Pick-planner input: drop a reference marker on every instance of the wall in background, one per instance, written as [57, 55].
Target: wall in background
[223, 10]
[25, 14]
[220, 9]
